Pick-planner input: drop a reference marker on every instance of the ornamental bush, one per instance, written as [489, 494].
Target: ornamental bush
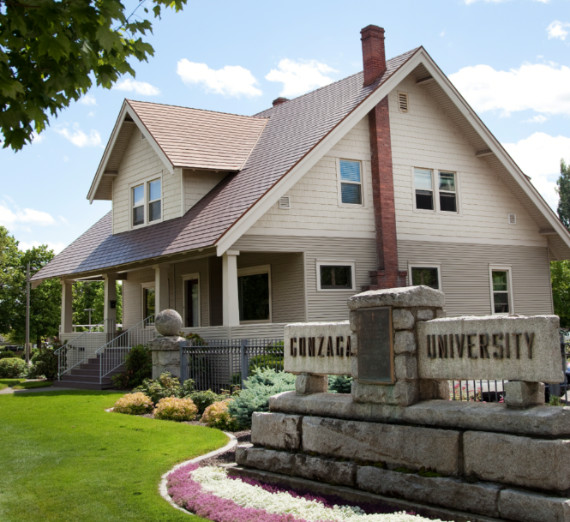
[12, 368]
[138, 367]
[134, 404]
[176, 409]
[218, 416]
[203, 399]
[165, 386]
[264, 383]
[44, 364]
[340, 383]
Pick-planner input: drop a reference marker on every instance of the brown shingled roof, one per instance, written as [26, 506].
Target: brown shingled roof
[200, 139]
[290, 131]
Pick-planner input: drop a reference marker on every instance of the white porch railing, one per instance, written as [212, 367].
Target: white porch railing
[113, 354]
[77, 350]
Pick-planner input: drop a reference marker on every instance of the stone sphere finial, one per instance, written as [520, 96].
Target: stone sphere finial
[168, 323]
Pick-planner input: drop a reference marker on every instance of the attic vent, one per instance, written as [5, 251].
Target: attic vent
[403, 101]
[285, 203]
[512, 219]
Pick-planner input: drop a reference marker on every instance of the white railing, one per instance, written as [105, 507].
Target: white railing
[113, 354]
[76, 351]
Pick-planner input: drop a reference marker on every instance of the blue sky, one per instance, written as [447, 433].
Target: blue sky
[509, 58]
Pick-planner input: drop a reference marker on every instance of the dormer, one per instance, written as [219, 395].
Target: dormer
[161, 160]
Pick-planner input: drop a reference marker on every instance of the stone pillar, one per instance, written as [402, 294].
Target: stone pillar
[110, 304]
[384, 321]
[165, 348]
[162, 291]
[66, 324]
[230, 288]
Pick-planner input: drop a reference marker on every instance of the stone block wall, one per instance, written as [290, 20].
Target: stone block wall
[478, 469]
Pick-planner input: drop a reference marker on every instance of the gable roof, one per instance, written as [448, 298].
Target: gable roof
[294, 137]
[182, 137]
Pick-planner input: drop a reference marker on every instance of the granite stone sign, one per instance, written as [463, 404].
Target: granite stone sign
[514, 347]
[319, 348]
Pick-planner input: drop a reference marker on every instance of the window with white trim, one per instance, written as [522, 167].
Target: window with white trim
[254, 294]
[439, 193]
[425, 274]
[501, 290]
[350, 177]
[146, 202]
[335, 276]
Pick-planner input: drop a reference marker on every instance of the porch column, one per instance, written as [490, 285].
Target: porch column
[66, 324]
[161, 288]
[230, 288]
[110, 303]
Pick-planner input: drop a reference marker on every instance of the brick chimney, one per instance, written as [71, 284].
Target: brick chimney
[279, 101]
[373, 53]
[374, 59]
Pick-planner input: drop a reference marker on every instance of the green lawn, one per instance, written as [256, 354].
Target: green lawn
[23, 384]
[64, 458]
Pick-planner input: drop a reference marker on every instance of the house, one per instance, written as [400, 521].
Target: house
[245, 223]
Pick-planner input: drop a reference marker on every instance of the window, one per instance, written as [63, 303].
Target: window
[254, 294]
[501, 298]
[147, 202]
[148, 300]
[335, 276]
[445, 192]
[424, 275]
[192, 300]
[350, 182]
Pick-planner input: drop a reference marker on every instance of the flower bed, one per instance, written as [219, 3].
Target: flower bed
[210, 493]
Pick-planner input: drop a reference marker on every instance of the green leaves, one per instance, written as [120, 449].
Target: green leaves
[50, 49]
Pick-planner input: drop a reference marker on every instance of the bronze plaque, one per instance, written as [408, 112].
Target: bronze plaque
[375, 357]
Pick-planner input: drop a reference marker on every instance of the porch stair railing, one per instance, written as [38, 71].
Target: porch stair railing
[113, 354]
[74, 352]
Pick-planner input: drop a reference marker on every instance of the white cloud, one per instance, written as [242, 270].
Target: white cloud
[88, 99]
[300, 77]
[80, 138]
[12, 216]
[539, 156]
[57, 247]
[230, 80]
[142, 88]
[539, 118]
[37, 138]
[538, 87]
[558, 29]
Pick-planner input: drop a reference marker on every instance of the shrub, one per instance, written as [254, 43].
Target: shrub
[203, 399]
[44, 363]
[264, 383]
[176, 409]
[138, 367]
[12, 368]
[165, 386]
[218, 416]
[340, 383]
[273, 358]
[10, 354]
[134, 404]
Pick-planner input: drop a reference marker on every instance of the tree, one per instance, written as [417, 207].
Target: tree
[560, 270]
[9, 263]
[563, 189]
[45, 300]
[51, 51]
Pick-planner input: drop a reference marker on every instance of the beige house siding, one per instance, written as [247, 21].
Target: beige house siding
[464, 273]
[140, 164]
[315, 204]
[132, 296]
[320, 305]
[426, 137]
[196, 184]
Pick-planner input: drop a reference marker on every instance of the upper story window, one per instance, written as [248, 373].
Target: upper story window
[147, 202]
[439, 193]
[350, 182]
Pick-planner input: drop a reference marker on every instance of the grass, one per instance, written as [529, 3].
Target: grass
[22, 384]
[65, 458]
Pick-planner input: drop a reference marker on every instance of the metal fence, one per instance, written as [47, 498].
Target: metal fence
[224, 364]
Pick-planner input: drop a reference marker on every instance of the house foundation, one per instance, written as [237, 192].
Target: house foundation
[396, 436]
